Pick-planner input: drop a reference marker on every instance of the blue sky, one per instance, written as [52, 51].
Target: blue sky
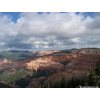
[46, 31]
[16, 15]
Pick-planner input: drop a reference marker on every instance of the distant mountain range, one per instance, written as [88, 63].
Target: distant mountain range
[15, 55]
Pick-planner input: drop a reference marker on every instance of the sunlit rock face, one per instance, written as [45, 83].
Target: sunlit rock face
[43, 53]
[39, 63]
[5, 61]
[51, 61]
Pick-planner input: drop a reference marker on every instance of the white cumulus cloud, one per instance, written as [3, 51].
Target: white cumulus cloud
[49, 31]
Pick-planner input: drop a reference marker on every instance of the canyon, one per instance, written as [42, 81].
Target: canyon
[49, 66]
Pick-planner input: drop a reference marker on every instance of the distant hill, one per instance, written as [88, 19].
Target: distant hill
[15, 55]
